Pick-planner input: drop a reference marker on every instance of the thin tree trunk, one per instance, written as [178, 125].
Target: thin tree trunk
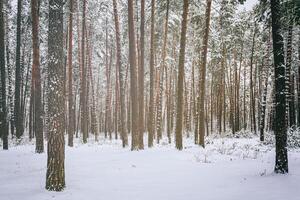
[161, 73]
[71, 127]
[290, 79]
[3, 113]
[17, 109]
[121, 76]
[203, 76]
[141, 77]
[252, 98]
[83, 98]
[133, 79]
[36, 77]
[179, 117]
[151, 103]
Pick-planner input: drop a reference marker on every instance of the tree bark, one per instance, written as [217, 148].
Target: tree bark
[151, 103]
[141, 77]
[203, 75]
[36, 79]
[83, 97]
[55, 177]
[252, 98]
[71, 127]
[3, 113]
[179, 117]
[17, 108]
[121, 76]
[133, 79]
[281, 164]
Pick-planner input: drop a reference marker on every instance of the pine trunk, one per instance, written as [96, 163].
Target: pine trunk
[281, 164]
[133, 79]
[179, 117]
[36, 79]
[55, 177]
[3, 113]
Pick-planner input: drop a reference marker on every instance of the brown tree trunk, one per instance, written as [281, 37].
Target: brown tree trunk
[133, 79]
[179, 117]
[36, 79]
[83, 97]
[121, 78]
[203, 75]
[161, 74]
[71, 127]
[141, 77]
[151, 103]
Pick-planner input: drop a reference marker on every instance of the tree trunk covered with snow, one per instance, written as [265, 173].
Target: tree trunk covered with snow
[124, 136]
[55, 177]
[3, 108]
[281, 164]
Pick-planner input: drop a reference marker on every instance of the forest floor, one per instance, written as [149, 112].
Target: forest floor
[228, 169]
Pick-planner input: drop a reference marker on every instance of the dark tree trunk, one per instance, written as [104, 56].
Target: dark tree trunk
[3, 109]
[17, 109]
[298, 88]
[55, 178]
[281, 164]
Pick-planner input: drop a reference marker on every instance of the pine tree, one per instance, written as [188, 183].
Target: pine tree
[133, 79]
[281, 164]
[159, 122]
[141, 77]
[36, 78]
[3, 109]
[179, 117]
[203, 74]
[17, 108]
[151, 103]
[55, 177]
[83, 96]
[121, 77]
[71, 127]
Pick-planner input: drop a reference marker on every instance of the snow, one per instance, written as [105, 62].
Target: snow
[248, 5]
[228, 168]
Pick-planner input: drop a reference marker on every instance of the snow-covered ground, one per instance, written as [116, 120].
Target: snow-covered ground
[228, 168]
